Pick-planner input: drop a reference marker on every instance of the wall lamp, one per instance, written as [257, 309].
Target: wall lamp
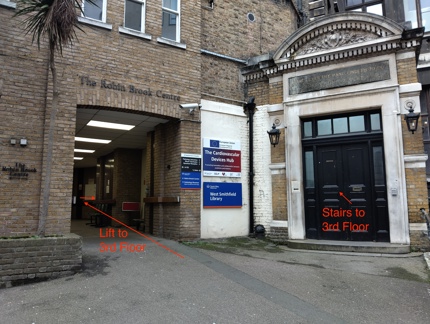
[191, 107]
[274, 135]
[411, 118]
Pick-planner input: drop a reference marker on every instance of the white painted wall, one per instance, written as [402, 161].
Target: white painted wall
[263, 213]
[228, 122]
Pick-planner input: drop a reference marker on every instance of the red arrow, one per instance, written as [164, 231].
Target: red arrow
[132, 229]
[343, 196]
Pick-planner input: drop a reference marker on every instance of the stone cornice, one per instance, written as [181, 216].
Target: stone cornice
[335, 38]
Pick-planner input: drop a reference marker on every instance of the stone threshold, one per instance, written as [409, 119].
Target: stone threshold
[349, 246]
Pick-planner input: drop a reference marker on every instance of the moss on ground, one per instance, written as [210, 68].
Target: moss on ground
[236, 244]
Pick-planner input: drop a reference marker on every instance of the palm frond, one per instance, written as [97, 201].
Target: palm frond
[56, 19]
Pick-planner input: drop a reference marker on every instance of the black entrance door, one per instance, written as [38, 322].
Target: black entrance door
[347, 200]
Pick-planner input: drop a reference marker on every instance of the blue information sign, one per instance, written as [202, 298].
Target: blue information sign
[222, 195]
[191, 180]
[191, 176]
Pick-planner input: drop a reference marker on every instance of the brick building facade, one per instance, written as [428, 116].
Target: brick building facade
[213, 55]
[131, 72]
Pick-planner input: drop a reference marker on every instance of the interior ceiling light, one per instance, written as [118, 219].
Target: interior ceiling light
[77, 158]
[92, 140]
[101, 124]
[84, 151]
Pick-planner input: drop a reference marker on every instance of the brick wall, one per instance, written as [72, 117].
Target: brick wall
[279, 198]
[99, 54]
[26, 108]
[126, 182]
[179, 221]
[260, 90]
[189, 226]
[412, 143]
[407, 71]
[60, 198]
[226, 30]
[148, 158]
[276, 92]
[279, 180]
[235, 35]
[416, 179]
[166, 147]
[106, 55]
[35, 259]
[419, 241]
[278, 234]
[22, 115]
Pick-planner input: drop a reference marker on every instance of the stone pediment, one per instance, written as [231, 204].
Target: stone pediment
[336, 37]
[336, 34]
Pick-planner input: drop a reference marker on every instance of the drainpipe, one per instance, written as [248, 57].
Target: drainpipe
[249, 109]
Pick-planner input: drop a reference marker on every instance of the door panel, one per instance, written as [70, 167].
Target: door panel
[380, 195]
[329, 184]
[357, 186]
[347, 200]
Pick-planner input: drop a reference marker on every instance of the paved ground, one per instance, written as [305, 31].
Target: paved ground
[252, 283]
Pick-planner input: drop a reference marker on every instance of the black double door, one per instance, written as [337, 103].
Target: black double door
[346, 197]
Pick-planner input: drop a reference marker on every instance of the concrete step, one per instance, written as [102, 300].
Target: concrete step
[349, 246]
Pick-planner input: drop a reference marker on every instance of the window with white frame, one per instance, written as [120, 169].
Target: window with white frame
[171, 20]
[95, 10]
[370, 6]
[134, 15]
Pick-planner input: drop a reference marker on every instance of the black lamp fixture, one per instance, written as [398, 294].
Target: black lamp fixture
[274, 135]
[412, 117]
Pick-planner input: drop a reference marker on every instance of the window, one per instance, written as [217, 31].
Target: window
[171, 20]
[425, 14]
[370, 6]
[411, 14]
[134, 15]
[309, 170]
[95, 10]
[344, 125]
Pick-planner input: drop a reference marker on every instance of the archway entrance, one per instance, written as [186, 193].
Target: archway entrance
[112, 166]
